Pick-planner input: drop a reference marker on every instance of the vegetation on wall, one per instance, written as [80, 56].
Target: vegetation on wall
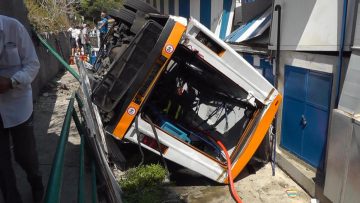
[49, 15]
[59, 15]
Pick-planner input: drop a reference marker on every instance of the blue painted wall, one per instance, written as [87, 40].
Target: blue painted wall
[217, 15]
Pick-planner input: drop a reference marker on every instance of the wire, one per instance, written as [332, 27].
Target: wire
[273, 150]
[158, 143]
[138, 139]
[232, 187]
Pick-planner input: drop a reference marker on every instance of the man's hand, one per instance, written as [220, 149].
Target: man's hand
[5, 84]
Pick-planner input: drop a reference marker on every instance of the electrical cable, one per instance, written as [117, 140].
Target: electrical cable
[232, 187]
[273, 150]
[138, 139]
[159, 147]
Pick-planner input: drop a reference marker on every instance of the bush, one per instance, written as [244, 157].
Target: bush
[144, 184]
[138, 178]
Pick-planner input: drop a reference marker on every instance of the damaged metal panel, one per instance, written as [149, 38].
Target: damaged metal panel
[339, 142]
[350, 97]
[96, 139]
[352, 186]
[343, 162]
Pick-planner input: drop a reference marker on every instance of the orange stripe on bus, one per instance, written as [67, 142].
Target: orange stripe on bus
[256, 138]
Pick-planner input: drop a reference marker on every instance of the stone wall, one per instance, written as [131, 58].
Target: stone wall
[49, 65]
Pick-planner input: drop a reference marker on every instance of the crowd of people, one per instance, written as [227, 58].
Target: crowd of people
[80, 40]
[80, 36]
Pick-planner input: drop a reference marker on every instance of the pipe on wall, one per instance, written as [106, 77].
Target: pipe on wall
[341, 52]
[277, 60]
[277, 67]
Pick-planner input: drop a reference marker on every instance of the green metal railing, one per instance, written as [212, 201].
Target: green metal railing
[55, 180]
[81, 185]
[54, 185]
[58, 57]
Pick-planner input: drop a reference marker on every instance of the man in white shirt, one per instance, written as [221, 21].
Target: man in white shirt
[75, 36]
[19, 65]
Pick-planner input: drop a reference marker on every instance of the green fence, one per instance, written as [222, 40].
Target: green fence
[53, 189]
[58, 57]
[54, 185]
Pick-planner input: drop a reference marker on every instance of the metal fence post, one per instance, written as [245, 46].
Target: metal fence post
[81, 185]
[55, 180]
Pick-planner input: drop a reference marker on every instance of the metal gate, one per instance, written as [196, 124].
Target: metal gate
[305, 114]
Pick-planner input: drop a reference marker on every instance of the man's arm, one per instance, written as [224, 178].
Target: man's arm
[29, 60]
[103, 22]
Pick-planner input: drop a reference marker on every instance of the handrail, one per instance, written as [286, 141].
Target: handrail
[59, 58]
[54, 185]
[55, 180]
[81, 185]
[93, 181]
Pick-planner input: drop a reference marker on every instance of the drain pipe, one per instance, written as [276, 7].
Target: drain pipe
[277, 67]
[341, 52]
[277, 60]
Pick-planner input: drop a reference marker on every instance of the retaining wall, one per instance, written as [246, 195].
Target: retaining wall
[49, 65]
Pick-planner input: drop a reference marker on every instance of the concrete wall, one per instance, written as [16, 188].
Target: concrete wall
[356, 43]
[49, 65]
[312, 25]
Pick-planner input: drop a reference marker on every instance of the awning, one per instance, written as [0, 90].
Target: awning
[251, 29]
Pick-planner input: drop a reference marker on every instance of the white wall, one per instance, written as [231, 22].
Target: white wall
[357, 29]
[312, 25]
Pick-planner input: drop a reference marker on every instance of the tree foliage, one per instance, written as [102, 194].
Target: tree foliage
[91, 9]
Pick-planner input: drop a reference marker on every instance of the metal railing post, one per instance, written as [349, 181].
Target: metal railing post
[81, 184]
[93, 167]
[93, 182]
[53, 189]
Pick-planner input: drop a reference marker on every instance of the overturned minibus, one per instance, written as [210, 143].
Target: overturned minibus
[172, 86]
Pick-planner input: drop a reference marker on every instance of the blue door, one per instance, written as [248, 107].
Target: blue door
[305, 114]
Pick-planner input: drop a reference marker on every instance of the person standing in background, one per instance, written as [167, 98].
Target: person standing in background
[85, 39]
[103, 25]
[72, 41]
[19, 66]
[78, 39]
[75, 34]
